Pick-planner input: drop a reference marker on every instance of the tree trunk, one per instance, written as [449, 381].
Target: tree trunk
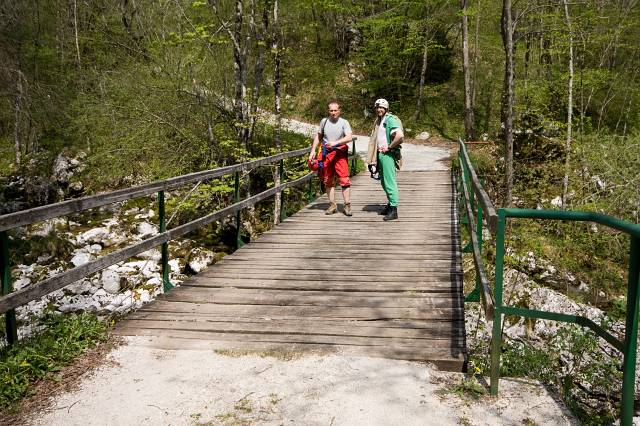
[565, 179]
[258, 73]
[423, 74]
[276, 46]
[240, 68]
[75, 32]
[476, 55]
[469, 120]
[507, 96]
[316, 23]
[16, 123]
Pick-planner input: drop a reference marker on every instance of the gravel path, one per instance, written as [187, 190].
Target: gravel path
[147, 386]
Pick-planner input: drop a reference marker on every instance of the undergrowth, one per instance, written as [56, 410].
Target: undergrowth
[42, 356]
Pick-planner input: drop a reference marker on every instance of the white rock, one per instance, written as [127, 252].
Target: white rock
[584, 287]
[144, 296]
[110, 281]
[96, 236]
[557, 201]
[80, 259]
[114, 238]
[80, 287]
[152, 254]
[201, 260]
[95, 248]
[44, 258]
[174, 264]
[154, 281]
[21, 283]
[594, 228]
[145, 229]
[423, 136]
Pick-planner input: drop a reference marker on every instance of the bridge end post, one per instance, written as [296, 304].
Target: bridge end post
[631, 335]
[166, 284]
[496, 334]
[236, 198]
[283, 213]
[7, 287]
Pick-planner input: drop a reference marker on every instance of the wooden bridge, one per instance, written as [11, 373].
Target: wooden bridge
[353, 285]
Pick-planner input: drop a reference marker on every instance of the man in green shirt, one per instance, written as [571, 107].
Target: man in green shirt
[385, 143]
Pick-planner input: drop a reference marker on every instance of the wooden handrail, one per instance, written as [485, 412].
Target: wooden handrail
[37, 290]
[481, 194]
[486, 293]
[26, 217]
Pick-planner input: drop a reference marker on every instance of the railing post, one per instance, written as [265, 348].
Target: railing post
[236, 198]
[630, 336]
[166, 284]
[479, 239]
[353, 158]
[7, 287]
[283, 213]
[496, 334]
[310, 192]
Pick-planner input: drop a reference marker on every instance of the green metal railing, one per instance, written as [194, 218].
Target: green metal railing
[628, 347]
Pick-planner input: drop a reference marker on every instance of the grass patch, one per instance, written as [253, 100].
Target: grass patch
[44, 355]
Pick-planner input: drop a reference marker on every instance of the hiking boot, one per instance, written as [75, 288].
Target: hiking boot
[385, 210]
[347, 209]
[332, 209]
[392, 215]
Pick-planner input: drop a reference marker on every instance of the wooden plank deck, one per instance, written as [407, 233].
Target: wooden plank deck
[353, 285]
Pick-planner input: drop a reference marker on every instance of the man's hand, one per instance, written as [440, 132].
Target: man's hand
[383, 149]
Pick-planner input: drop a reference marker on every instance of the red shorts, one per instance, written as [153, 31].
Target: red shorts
[336, 164]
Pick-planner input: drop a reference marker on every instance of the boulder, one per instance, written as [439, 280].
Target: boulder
[145, 229]
[423, 136]
[110, 281]
[81, 258]
[93, 236]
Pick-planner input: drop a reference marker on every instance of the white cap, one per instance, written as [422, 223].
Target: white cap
[382, 103]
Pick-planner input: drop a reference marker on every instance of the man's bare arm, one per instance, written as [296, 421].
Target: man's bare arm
[398, 136]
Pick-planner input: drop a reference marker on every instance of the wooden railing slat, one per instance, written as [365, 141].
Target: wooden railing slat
[37, 290]
[25, 217]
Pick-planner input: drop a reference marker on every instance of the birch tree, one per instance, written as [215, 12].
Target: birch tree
[469, 119]
[565, 179]
[276, 49]
[508, 97]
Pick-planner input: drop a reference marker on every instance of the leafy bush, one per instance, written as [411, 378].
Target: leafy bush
[64, 338]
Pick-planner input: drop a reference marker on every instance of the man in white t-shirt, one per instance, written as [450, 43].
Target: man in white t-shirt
[335, 133]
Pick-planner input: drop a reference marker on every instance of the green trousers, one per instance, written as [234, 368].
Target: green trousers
[388, 180]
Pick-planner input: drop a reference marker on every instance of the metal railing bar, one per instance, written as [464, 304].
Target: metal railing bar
[602, 219]
[25, 217]
[574, 319]
[51, 284]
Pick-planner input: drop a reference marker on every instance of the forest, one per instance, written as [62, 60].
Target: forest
[143, 90]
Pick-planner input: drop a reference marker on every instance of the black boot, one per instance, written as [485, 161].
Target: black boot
[386, 210]
[392, 215]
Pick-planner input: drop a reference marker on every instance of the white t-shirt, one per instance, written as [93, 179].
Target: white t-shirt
[334, 131]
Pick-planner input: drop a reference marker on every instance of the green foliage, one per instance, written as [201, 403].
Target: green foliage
[394, 68]
[43, 355]
[573, 363]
